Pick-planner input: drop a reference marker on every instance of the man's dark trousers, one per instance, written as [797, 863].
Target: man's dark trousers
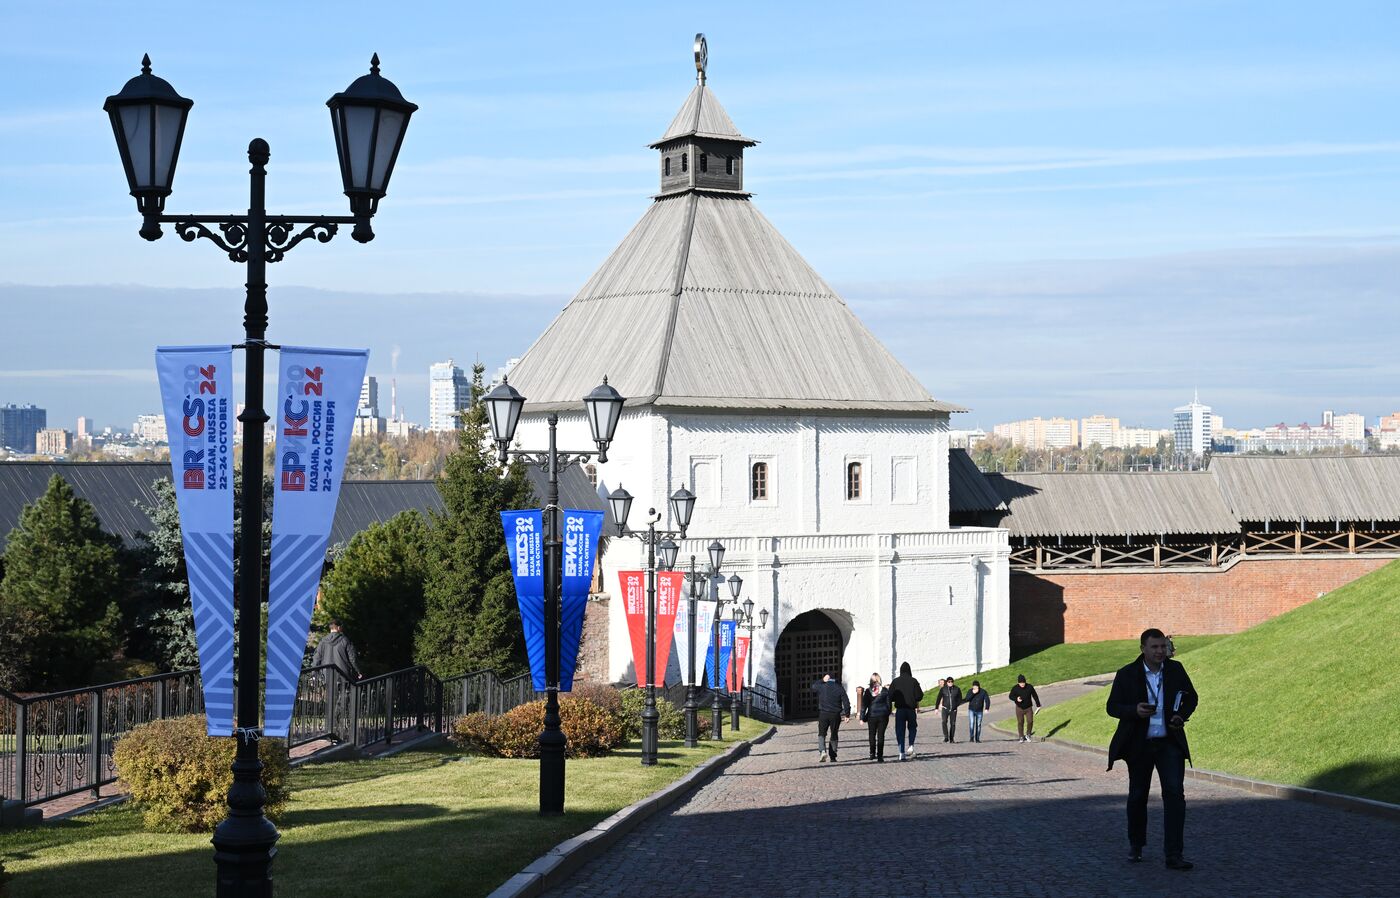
[1165, 755]
[906, 719]
[828, 721]
[950, 724]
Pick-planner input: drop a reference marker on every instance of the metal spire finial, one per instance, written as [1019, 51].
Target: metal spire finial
[146, 64]
[374, 64]
[702, 58]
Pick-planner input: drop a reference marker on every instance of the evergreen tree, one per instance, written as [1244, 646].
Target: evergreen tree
[63, 575]
[375, 590]
[471, 619]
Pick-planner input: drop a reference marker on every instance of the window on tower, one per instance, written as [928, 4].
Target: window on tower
[685, 162]
[729, 165]
[704, 161]
[758, 489]
[853, 480]
[666, 165]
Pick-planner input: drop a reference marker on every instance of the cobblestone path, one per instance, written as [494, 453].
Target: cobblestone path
[995, 818]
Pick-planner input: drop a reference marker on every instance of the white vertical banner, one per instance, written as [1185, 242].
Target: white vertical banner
[704, 630]
[196, 386]
[313, 419]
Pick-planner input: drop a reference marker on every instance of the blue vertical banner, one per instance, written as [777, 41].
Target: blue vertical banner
[313, 420]
[726, 645]
[581, 529]
[196, 386]
[525, 542]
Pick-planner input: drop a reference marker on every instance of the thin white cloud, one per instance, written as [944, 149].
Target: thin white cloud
[142, 375]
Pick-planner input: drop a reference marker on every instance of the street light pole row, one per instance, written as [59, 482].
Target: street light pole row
[682, 503]
[148, 120]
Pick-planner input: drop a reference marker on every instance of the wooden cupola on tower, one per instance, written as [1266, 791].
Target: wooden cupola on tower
[702, 150]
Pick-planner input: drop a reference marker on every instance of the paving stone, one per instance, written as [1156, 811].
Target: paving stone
[999, 818]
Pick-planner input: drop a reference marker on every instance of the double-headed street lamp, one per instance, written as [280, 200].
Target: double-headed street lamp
[716, 552]
[743, 618]
[503, 407]
[736, 586]
[682, 504]
[148, 119]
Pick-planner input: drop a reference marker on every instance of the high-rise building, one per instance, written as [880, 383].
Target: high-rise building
[19, 425]
[368, 406]
[1191, 428]
[53, 441]
[1350, 428]
[1041, 433]
[85, 429]
[1099, 429]
[449, 393]
[1141, 437]
[149, 429]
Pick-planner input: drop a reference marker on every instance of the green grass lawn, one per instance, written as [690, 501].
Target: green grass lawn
[422, 823]
[1307, 699]
[1064, 662]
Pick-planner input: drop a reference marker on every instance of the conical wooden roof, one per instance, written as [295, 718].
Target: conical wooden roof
[705, 305]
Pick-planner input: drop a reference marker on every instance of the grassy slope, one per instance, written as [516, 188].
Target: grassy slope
[1064, 662]
[1308, 698]
[421, 823]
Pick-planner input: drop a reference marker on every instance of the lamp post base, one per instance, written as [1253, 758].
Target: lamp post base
[692, 723]
[734, 711]
[245, 842]
[716, 718]
[650, 719]
[553, 743]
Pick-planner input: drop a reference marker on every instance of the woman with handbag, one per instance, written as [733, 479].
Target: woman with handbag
[875, 711]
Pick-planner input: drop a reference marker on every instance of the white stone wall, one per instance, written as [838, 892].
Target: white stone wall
[881, 566]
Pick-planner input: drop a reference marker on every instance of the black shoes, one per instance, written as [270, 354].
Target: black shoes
[1135, 855]
[1177, 862]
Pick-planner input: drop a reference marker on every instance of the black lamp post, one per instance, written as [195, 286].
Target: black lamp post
[682, 504]
[736, 585]
[503, 407]
[692, 726]
[747, 624]
[148, 120]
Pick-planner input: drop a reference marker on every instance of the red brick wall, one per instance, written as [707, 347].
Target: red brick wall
[593, 647]
[1051, 608]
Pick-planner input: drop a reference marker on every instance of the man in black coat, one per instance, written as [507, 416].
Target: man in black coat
[949, 697]
[336, 650]
[832, 707]
[1152, 699]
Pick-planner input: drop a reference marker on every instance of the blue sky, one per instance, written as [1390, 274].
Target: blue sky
[1040, 208]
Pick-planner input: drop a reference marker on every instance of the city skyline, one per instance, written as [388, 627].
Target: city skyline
[1024, 220]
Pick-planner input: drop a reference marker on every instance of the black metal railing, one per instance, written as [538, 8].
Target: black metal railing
[483, 690]
[60, 743]
[762, 703]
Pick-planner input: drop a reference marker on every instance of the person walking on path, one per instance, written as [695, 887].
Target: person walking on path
[875, 713]
[832, 708]
[336, 650]
[949, 697]
[978, 700]
[1023, 695]
[905, 695]
[1152, 698]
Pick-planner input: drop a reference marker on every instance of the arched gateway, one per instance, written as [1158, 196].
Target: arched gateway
[810, 646]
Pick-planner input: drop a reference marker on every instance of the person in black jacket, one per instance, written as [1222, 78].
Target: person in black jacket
[336, 650]
[905, 695]
[1022, 695]
[1153, 698]
[875, 712]
[949, 697]
[832, 708]
[978, 700]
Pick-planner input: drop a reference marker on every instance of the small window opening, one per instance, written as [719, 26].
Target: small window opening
[666, 165]
[592, 471]
[705, 162]
[685, 162]
[853, 480]
[759, 487]
[729, 165]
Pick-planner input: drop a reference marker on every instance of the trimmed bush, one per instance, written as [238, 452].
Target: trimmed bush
[606, 697]
[669, 726]
[180, 777]
[591, 730]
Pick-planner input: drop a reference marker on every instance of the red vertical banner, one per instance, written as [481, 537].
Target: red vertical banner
[634, 598]
[669, 586]
[741, 658]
